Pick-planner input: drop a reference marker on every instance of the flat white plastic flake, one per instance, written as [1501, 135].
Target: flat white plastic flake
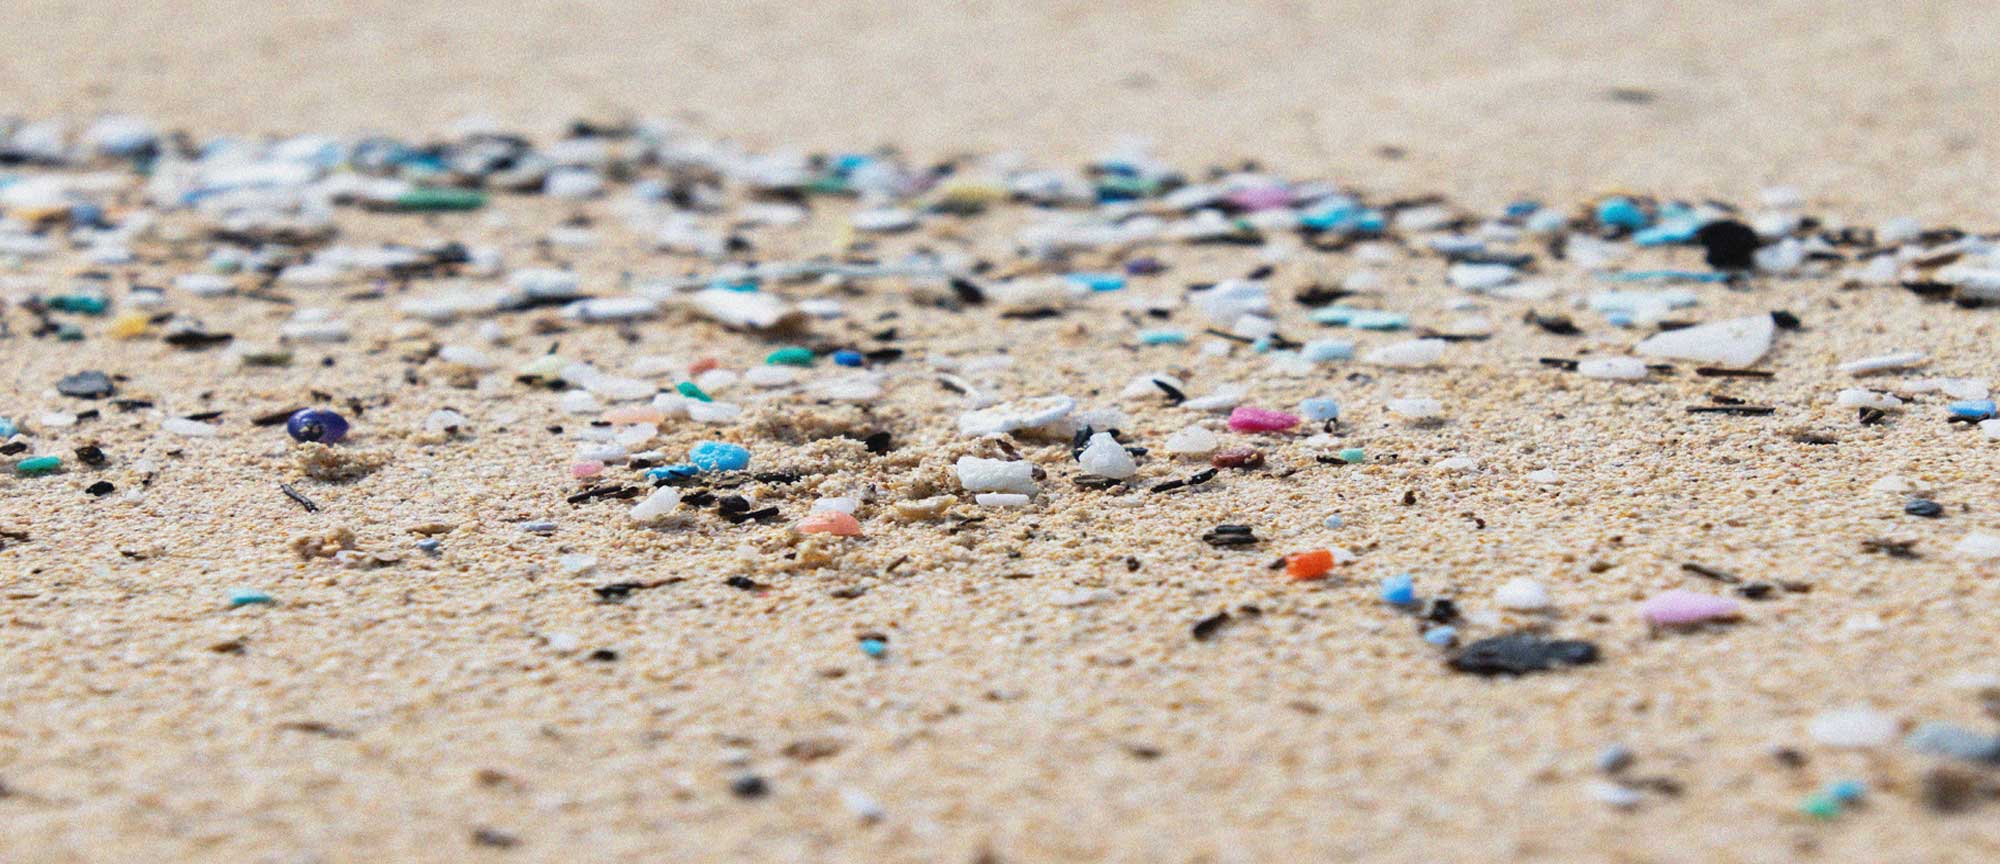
[1735, 342]
[1012, 416]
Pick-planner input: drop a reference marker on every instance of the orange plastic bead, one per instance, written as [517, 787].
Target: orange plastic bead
[1309, 565]
[831, 522]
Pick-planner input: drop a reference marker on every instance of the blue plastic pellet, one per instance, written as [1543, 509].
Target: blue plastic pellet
[1162, 337]
[316, 424]
[1847, 791]
[1621, 213]
[719, 456]
[7, 428]
[874, 648]
[248, 597]
[1441, 636]
[1098, 281]
[1400, 589]
[1972, 409]
[846, 357]
[672, 472]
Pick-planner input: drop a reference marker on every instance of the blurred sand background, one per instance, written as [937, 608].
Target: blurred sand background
[1004, 728]
[1886, 103]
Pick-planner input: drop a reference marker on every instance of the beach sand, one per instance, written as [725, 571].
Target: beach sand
[1041, 698]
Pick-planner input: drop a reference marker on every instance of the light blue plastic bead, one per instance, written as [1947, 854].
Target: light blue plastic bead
[1327, 350]
[719, 456]
[1400, 589]
[1319, 410]
[1622, 213]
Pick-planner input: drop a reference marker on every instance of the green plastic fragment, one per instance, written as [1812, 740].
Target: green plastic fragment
[69, 333]
[433, 198]
[83, 303]
[792, 355]
[1820, 806]
[1353, 455]
[688, 389]
[38, 464]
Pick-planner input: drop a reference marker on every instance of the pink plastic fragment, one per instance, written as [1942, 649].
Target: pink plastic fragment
[1680, 608]
[1261, 198]
[591, 468]
[1248, 419]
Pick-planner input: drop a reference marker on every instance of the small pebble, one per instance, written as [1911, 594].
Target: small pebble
[1923, 507]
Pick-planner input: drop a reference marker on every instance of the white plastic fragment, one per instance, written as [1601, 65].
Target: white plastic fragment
[1978, 545]
[1856, 397]
[1105, 457]
[1522, 595]
[1612, 368]
[1414, 352]
[1853, 727]
[1458, 464]
[754, 310]
[1884, 362]
[1416, 408]
[1735, 342]
[1480, 277]
[1192, 441]
[1223, 399]
[996, 475]
[662, 501]
[1013, 416]
[188, 428]
[1000, 499]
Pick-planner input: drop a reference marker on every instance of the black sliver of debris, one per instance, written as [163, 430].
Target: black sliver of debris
[1520, 654]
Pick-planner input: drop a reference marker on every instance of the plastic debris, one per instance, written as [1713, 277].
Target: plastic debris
[1678, 608]
[1736, 342]
[316, 425]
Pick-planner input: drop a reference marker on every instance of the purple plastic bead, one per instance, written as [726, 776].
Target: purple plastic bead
[316, 424]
